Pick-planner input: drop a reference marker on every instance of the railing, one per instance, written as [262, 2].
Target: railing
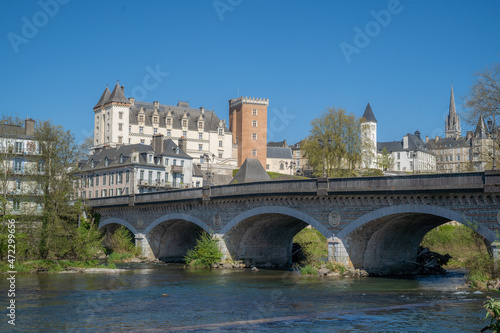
[176, 169]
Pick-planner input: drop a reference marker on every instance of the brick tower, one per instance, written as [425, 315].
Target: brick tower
[248, 123]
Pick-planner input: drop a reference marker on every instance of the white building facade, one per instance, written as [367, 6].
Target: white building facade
[121, 121]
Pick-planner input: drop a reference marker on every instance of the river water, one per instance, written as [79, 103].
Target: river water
[239, 301]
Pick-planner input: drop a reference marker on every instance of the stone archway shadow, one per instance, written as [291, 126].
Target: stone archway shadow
[176, 216]
[115, 220]
[488, 234]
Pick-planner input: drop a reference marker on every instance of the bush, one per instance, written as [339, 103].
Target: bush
[336, 267]
[205, 253]
[308, 270]
[122, 241]
[312, 243]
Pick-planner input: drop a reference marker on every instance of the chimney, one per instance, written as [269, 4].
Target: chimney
[417, 134]
[29, 127]
[123, 88]
[158, 143]
[426, 138]
[405, 142]
[182, 143]
[131, 100]
[437, 139]
[284, 144]
[202, 110]
[156, 104]
[470, 135]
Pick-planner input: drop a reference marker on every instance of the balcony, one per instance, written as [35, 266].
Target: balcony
[176, 169]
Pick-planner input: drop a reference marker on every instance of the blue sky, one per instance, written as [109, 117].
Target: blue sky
[287, 51]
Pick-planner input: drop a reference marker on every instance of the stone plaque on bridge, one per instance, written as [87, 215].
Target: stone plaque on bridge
[334, 219]
[216, 220]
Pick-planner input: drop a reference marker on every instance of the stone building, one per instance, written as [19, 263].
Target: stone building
[136, 168]
[455, 153]
[248, 123]
[369, 138]
[280, 160]
[20, 164]
[411, 154]
[121, 121]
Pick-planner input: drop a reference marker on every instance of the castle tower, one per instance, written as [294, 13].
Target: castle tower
[248, 123]
[111, 118]
[369, 134]
[452, 124]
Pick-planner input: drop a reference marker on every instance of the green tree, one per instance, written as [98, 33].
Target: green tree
[385, 161]
[483, 99]
[59, 214]
[342, 140]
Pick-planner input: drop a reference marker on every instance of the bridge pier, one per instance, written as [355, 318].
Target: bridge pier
[142, 244]
[337, 251]
[222, 246]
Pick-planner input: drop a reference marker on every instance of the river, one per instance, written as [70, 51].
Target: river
[160, 297]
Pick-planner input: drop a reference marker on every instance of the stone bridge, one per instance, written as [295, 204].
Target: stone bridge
[371, 223]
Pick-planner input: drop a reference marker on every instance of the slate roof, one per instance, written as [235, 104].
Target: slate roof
[14, 131]
[481, 129]
[414, 143]
[117, 95]
[279, 152]
[368, 115]
[197, 171]
[444, 143]
[104, 97]
[211, 120]
[250, 171]
[113, 155]
[277, 144]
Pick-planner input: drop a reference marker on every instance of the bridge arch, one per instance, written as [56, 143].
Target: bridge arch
[265, 234]
[386, 240]
[170, 236]
[114, 220]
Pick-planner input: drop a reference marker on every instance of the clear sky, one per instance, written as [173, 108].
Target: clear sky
[56, 60]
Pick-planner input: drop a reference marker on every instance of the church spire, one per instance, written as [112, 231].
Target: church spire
[452, 123]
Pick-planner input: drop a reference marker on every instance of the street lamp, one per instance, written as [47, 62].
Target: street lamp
[320, 141]
[209, 171]
[414, 164]
[292, 165]
[492, 129]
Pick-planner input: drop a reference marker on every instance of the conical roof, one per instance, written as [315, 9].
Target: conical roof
[368, 115]
[117, 95]
[453, 111]
[104, 98]
[250, 171]
[481, 129]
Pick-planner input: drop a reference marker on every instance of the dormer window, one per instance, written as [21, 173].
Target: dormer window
[155, 120]
[93, 163]
[150, 158]
[184, 122]
[141, 118]
[200, 125]
[169, 121]
[106, 161]
[122, 159]
[221, 131]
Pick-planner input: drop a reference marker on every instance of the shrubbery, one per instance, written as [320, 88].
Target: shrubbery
[205, 253]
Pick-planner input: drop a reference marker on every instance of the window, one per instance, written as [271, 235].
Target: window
[200, 136]
[155, 131]
[200, 125]
[254, 152]
[120, 127]
[107, 127]
[166, 161]
[96, 194]
[122, 159]
[106, 162]
[18, 185]
[254, 136]
[198, 184]
[399, 166]
[155, 119]
[254, 123]
[91, 181]
[150, 177]
[104, 193]
[220, 155]
[169, 121]
[220, 143]
[119, 177]
[19, 147]
[141, 130]
[282, 166]
[90, 194]
[158, 176]
[202, 159]
[96, 181]
[166, 177]
[111, 192]
[104, 179]
[120, 115]
[254, 112]
[175, 162]
[399, 156]
[221, 131]
[118, 191]
[182, 162]
[184, 134]
[200, 147]
[16, 204]
[18, 165]
[169, 132]
[141, 177]
[184, 122]
[111, 179]
[130, 129]
[141, 118]
[267, 166]
[127, 176]
[120, 139]
[143, 141]
[150, 158]
[126, 190]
